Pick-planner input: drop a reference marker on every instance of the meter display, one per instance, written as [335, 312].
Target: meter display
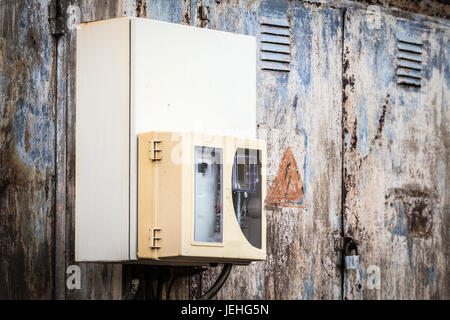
[246, 188]
[208, 194]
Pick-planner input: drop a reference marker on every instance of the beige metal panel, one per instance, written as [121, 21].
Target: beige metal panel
[166, 200]
[102, 141]
[160, 191]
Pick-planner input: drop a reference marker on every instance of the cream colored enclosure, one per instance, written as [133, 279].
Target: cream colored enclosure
[178, 203]
[135, 76]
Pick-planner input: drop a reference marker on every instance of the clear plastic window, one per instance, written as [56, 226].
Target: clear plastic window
[246, 189]
[208, 194]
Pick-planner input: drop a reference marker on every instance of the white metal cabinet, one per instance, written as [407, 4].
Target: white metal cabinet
[139, 75]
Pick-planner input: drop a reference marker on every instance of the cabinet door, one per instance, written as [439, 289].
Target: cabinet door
[299, 114]
[396, 146]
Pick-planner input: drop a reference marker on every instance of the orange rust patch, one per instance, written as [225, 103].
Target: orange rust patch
[287, 187]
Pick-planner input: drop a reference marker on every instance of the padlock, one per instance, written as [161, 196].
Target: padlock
[351, 261]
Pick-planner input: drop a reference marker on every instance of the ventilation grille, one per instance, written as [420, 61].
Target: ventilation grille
[275, 45]
[409, 61]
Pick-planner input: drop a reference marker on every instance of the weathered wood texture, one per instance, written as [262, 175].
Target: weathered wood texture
[355, 142]
[396, 160]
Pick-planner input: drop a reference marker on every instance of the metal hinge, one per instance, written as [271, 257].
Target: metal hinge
[154, 237]
[155, 153]
[56, 18]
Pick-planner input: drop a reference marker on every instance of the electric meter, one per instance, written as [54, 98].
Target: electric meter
[200, 198]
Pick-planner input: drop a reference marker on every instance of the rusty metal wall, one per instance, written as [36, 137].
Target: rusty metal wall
[349, 151]
[396, 158]
[37, 107]
[27, 143]
[298, 112]
[98, 281]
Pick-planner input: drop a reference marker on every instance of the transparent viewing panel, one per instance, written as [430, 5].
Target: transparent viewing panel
[246, 189]
[208, 194]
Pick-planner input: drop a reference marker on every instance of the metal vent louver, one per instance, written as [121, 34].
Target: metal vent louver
[275, 45]
[409, 61]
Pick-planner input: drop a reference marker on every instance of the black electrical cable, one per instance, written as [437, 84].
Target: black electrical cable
[176, 277]
[215, 287]
[219, 282]
[134, 287]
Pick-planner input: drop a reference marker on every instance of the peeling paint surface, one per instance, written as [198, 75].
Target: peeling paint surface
[349, 152]
[287, 187]
[297, 111]
[26, 153]
[395, 159]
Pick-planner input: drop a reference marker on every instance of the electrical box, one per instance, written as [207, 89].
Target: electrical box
[168, 165]
[200, 197]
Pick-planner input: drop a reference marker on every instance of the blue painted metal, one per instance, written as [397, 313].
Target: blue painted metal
[339, 100]
[275, 44]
